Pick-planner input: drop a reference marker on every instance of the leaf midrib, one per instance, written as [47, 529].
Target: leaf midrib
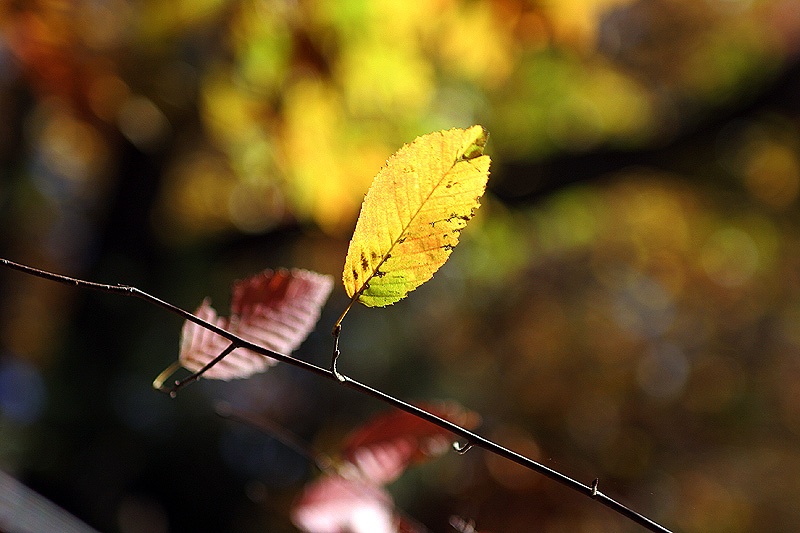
[365, 284]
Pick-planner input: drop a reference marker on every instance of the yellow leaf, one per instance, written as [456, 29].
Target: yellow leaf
[413, 214]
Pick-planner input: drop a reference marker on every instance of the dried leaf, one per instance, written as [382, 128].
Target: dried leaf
[275, 309]
[413, 214]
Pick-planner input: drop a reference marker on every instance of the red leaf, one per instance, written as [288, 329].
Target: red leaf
[199, 346]
[333, 504]
[279, 309]
[379, 452]
[276, 310]
[392, 442]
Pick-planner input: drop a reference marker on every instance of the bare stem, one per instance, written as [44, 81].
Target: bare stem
[472, 438]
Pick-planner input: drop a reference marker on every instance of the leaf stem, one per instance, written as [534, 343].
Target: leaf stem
[338, 326]
[194, 377]
[472, 438]
[158, 383]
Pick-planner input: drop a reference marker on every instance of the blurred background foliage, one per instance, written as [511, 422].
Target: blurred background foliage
[626, 304]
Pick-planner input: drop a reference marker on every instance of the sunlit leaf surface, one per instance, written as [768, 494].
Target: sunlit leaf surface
[413, 214]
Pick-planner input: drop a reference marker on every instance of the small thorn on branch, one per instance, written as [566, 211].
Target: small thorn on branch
[179, 384]
[462, 448]
[595, 483]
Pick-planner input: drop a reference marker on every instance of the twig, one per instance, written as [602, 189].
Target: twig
[473, 439]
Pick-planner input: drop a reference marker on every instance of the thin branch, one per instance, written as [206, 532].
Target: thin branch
[133, 291]
[473, 439]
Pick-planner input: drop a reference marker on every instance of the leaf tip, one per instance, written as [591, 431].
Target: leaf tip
[476, 137]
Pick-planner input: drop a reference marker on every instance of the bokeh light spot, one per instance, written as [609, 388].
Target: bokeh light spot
[143, 123]
[730, 257]
[662, 372]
